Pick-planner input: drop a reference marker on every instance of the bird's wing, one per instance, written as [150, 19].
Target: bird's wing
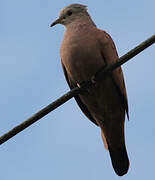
[82, 106]
[109, 54]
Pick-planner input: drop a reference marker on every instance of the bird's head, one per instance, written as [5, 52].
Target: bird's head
[70, 13]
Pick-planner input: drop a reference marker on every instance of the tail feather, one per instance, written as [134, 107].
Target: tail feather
[119, 159]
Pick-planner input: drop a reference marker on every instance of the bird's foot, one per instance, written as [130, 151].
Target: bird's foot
[78, 85]
[87, 84]
[84, 85]
[93, 79]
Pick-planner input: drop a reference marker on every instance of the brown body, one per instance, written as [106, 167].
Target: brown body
[84, 51]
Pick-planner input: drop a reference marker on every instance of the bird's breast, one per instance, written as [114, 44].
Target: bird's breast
[81, 57]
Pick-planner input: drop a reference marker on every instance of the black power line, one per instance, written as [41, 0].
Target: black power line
[100, 75]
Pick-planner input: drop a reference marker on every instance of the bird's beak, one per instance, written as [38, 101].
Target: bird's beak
[57, 21]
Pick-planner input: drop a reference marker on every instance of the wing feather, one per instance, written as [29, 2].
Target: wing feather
[82, 106]
[109, 53]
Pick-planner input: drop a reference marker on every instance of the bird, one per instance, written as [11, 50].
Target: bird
[84, 51]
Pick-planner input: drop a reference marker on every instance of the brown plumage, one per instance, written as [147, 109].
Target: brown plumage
[86, 49]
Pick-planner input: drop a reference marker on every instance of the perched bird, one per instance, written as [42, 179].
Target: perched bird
[84, 51]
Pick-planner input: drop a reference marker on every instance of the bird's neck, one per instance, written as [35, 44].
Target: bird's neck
[80, 24]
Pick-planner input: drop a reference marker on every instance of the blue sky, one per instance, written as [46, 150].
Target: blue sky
[65, 144]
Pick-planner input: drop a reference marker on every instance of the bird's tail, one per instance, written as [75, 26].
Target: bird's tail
[119, 159]
[119, 156]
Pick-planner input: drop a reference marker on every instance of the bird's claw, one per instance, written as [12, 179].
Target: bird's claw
[93, 80]
[78, 85]
[83, 86]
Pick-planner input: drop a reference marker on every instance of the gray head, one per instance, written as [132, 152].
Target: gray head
[69, 13]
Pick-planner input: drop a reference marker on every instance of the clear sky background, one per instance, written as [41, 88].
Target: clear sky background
[65, 144]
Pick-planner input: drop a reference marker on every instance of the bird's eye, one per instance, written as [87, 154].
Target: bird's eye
[69, 13]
